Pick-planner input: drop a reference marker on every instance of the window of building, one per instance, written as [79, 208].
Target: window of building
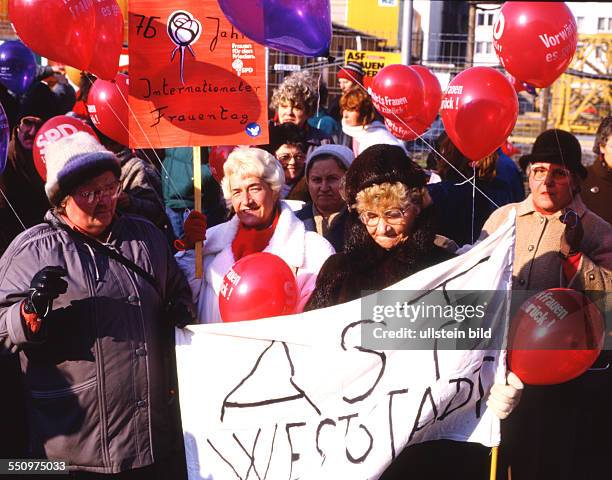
[480, 47]
[601, 24]
[490, 19]
[579, 22]
[609, 24]
[480, 19]
[489, 47]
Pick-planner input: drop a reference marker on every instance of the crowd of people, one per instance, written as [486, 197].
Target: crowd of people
[97, 268]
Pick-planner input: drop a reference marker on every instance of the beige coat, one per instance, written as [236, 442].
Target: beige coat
[537, 264]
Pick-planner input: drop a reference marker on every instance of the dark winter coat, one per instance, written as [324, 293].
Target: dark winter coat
[97, 375]
[24, 189]
[366, 266]
[596, 190]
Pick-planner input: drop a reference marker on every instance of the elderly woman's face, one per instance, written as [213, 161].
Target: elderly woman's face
[289, 112]
[253, 200]
[91, 207]
[387, 222]
[324, 178]
[292, 159]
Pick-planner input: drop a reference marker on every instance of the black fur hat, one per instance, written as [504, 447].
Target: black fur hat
[381, 164]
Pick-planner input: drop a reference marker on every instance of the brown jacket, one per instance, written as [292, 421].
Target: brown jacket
[537, 264]
[597, 190]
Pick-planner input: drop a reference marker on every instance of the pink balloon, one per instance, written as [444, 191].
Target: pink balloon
[479, 111]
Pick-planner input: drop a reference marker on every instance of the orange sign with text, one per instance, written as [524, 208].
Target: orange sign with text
[194, 79]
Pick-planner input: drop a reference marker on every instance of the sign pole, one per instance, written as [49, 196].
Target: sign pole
[197, 204]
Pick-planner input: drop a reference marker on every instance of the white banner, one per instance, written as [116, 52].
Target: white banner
[299, 397]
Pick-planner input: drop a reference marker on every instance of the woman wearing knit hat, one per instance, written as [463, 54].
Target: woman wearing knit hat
[84, 299]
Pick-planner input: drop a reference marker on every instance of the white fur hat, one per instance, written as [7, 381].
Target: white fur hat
[72, 161]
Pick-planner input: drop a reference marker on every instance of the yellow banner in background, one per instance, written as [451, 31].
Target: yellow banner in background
[371, 61]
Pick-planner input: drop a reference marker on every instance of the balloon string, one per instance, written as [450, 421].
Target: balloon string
[473, 200]
[14, 211]
[161, 164]
[398, 119]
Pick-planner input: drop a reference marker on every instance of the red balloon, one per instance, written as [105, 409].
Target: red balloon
[479, 110]
[555, 336]
[432, 95]
[397, 90]
[61, 30]
[259, 285]
[51, 131]
[411, 130]
[535, 41]
[108, 109]
[216, 159]
[109, 41]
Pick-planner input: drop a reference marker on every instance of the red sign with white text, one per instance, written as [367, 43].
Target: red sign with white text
[194, 79]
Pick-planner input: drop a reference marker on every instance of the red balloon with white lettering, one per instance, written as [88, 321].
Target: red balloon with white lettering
[555, 336]
[397, 91]
[61, 30]
[259, 285]
[406, 129]
[479, 110]
[535, 41]
[109, 39]
[51, 131]
[108, 109]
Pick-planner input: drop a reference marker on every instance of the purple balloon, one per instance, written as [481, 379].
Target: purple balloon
[302, 27]
[4, 138]
[17, 66]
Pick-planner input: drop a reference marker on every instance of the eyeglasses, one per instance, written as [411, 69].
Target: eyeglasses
[286, 157]
[559, 175]
[91, 196]
[393, 216]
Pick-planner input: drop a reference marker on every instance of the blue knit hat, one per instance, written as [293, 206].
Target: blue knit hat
[74, 160]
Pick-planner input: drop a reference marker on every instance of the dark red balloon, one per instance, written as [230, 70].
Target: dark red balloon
[432, 95]
[216, 159]
[479, 110]
[555, 336]
[409, 130]
[61, 30]
[259, 285]
[397, 91]
[109, 39]
[51, 131]
[535, 41]
[108, 109]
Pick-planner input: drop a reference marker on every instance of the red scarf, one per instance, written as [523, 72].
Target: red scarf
[252, 240]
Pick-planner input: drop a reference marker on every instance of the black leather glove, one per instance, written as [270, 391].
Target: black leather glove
[45, 287]
[572, 235]
[179, 314]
